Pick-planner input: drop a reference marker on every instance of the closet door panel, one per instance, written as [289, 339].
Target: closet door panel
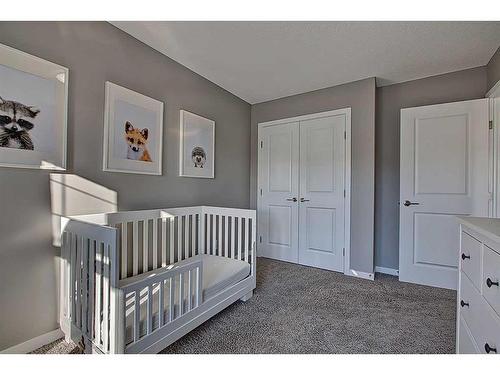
[279, 180]
[321, 186]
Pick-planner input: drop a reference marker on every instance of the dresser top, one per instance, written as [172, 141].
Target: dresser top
[489, 227]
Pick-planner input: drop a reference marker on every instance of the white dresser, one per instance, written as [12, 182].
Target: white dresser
[478, 303]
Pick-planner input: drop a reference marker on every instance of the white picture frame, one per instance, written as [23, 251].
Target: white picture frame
[129, 113]
[39, 89]
[196, 146]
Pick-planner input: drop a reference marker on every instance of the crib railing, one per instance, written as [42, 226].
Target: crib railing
[149, 251]
[90, 297]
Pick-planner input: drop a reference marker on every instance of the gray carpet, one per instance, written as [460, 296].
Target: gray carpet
[297, 309]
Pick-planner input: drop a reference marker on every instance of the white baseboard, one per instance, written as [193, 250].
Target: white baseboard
[361, 274]
[34, 343]
[387, 271]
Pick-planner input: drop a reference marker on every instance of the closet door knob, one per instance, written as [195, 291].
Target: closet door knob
[489, 349]
[408, 203]
[462, 303]
[491, 283]
[465, 256]
[292, 199]
[304, 200]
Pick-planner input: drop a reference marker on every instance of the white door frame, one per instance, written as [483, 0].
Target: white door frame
[347, 173]
[494, 95]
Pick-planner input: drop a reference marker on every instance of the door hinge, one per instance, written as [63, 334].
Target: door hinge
[261, 144]
[260, 239]
[490, 126]
[344, 193]
[343, 252]
[345, 135]
[261, 192]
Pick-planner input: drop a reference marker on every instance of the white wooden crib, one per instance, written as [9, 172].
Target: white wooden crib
[136, 281]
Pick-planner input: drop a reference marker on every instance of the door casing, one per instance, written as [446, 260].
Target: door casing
[347, 175]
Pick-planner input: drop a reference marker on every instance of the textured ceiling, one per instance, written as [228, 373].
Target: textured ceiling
[260, 61]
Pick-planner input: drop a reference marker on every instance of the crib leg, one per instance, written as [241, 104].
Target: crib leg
[247, 296]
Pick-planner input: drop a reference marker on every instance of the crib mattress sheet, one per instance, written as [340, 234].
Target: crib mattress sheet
[218, 273]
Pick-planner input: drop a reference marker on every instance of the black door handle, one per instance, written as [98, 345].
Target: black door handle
[408, 203]
[491, 283]
[489, 349]
[462, 303]
[292, 199]
[465, 256]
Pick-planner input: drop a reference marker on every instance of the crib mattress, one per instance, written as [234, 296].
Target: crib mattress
[218, 273]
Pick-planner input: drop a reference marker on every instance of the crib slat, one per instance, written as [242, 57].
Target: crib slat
[105, 299]
[226, 236]
[171, 300]
[137, 314]
[163, 242]
[72, 287]
[237, 235]
[124, 250]
[150, 309]
[233, 235]
[202, 233]
[194, 249]
[189, 292]
[179, 238]
[220, 250]
[145, 245]
[98, 293]
[161, 304]
[85, 274]
[78, 299]
[248, 240]
[214, 235]
[91, 287]
[186, 236]
[155, 244]
[199, 286]
[181, 294]
[172, 238]
[135, 249]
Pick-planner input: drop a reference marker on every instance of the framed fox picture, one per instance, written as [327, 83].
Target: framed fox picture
[197, 146]
[133, 132]
[33, 110]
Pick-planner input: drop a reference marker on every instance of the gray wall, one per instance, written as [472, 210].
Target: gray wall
[360, 96]
[493, 69]
[94, 53]
[462, 85]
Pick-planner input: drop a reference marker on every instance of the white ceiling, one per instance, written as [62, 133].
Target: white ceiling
[260, 61]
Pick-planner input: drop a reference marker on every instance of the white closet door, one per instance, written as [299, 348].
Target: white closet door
[444, 172]
[321, 203]
[279, 183]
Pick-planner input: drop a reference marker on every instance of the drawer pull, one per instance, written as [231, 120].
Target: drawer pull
[490, 283]
[465, 256]
[462, 303]
[489, 349]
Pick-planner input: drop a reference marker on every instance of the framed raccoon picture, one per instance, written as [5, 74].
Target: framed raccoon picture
[33, 109]
[197, 146]
[133, 132]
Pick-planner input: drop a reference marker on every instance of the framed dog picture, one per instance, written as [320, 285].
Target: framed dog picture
[133, 132]
[33, 109]
[197, 146]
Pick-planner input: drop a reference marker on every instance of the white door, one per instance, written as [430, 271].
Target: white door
[279, 191]
[321, 202]
[444, 172]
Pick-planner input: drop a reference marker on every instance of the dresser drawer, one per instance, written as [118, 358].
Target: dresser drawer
[483, 322]
[469, 303]
[491, 276]
[466, 344]
[470, 258]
